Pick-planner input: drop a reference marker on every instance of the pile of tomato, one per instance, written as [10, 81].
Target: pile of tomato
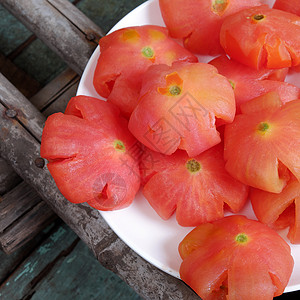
[199, 138]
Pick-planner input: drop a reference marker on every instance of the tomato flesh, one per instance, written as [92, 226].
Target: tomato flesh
[178, 108]
[196, 188]
[280, 210]
[272, 41]
[125, 55]
[198, 23]
[261, 146]
[235, 258]
[88, 149]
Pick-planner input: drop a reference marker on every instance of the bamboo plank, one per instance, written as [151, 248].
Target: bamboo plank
[16, 203]
[22, 81]
[21, 283]
[8, 177]
[27, 227]
[55, 89]
[18, 107]
[10, 262]
[144, 278]
[69, 279]
[75, 43]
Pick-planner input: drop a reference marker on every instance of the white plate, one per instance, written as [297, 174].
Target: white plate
[138, 225]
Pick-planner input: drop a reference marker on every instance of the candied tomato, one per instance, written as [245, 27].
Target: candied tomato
[179, 105]
[262, 37]
[125, 55]
[262, 144]
[88, 149]
[249, 83]
[280, 210]
[198, 23]
[235, 258]
[292, 6]
[196, 188]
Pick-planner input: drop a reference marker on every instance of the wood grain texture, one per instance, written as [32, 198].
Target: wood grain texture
[144, 278]
[21, 283]
[48, 18]
[8, 177]
[16, 203]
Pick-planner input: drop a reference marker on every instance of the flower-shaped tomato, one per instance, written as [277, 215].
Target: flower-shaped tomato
[261, 36]
[280, 210]
[178, 108]
[89, 154]
[126, 54]
[249, 83]
[262, 144]
[292, 6]
[198, 23]
[235, 258]
[196, 188]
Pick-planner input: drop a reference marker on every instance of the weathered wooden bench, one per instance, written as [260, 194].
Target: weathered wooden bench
[73, 37]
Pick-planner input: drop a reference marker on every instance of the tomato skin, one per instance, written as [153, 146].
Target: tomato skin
[258, 269]
[292, 6]
[125, 55]
[87, 148]
[261, 146]
[249, 83]
[196, 197]
[198, 23]
[164, 122]
[279, 210]
[273, 41]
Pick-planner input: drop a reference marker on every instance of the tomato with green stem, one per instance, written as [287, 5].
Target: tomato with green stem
[198, 23]
[235, 258]
[88, 149]
[196, 188]
[262, 37]
[263, 144]
[125, 55]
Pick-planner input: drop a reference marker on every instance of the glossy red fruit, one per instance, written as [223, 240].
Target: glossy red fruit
[280, 210]
[235, 258]
[249, 83]
[178, 108]
[126, 54]
[262, 144]
[196, 188]
[262, 37]
[198, 23]
[88, 149]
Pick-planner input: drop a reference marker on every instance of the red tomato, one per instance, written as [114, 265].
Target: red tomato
[236, 259]
[178, 108]
[262, 145]
[198, 23]
[262, 37]
[196, 188]
[126, 54]
[89, 153]
[280, 210]
[249, 83]
[292, 6]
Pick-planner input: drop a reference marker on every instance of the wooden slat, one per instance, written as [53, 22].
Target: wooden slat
[26, 228]
[20, 283]
[16, 203]
[8, 177]
[60, 26]
[22, 81]
[20, 148]
[55, 89]
[78, 18]
[10, 262]
[18, 107]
